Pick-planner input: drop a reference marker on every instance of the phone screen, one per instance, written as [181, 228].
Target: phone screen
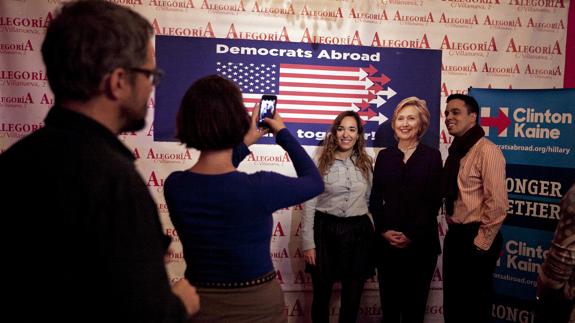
[267, 108]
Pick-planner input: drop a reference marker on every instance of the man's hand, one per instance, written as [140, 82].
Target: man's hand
[396, 239]
[309, 256]
[188, 295]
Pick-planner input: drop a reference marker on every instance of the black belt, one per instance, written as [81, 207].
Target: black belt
[467, 229]
[253, 282]
[335, 218]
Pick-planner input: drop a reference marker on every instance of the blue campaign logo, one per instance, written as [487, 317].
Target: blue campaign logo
[500, 122]
[524, 251]
[313, 82]
[532, 127]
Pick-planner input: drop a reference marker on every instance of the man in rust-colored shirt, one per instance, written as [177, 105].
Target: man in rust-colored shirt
[476, 205]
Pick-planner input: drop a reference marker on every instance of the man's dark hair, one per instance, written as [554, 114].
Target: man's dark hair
[89, 39]
[470, 103]
[212, 115]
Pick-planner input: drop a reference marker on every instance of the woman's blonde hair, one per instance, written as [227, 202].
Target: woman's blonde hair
[361, 159]
[420, 106]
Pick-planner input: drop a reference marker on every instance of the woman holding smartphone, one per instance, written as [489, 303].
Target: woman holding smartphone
[337, 232]
[404, 202]
[224, 216]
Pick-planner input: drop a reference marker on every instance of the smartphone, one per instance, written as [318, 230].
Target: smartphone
[267, 109]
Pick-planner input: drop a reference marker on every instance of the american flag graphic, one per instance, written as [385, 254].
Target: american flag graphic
[312, 93]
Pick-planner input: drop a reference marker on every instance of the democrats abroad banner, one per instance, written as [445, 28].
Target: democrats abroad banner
[313, 82]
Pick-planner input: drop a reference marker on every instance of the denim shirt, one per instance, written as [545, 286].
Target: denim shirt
[346, 194]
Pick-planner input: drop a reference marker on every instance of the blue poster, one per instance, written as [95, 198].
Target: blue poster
[313, 82]
[532, 127]
[524, 250]
[535, 194]
[534, 130]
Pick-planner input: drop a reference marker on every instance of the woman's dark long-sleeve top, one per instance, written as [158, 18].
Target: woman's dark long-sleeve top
[405, 197]
[225, 221]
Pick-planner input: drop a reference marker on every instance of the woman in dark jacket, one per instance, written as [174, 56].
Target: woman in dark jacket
[404, 203]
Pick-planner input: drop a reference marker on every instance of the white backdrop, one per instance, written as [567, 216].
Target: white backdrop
[485, 43]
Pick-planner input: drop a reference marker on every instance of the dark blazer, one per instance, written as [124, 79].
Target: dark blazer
[81, 231]
[405, 196]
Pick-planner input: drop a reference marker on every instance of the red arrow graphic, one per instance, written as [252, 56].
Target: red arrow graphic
[501, 122]
[368, 113]
[370, 70]
[382, 79]
[364, 104]
[375, 87]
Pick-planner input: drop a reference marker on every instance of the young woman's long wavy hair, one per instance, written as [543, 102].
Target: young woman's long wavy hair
[359, 156]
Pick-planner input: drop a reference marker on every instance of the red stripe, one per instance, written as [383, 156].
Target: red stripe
[326, 95]
[336, 104]
[249, 105]
[310, 112]
[304, 120]
[325, 86]
[300, 120]
[320, 77]
[324, 68]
